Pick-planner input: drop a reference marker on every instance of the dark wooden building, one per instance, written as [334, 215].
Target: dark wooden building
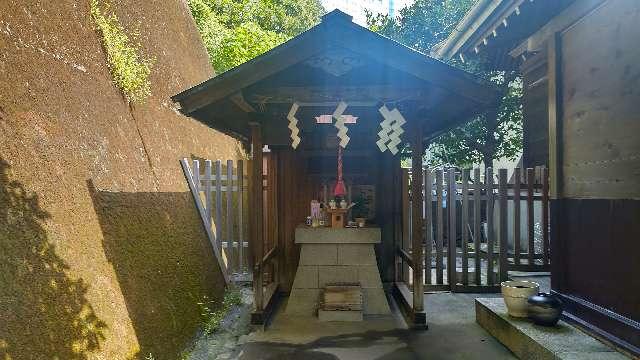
[580, 61]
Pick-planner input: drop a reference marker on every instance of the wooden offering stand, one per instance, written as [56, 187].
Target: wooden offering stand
[337, 217]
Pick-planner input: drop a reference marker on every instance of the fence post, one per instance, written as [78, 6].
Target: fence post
[196, 176]
[439, 229]
[428, 200]
[517, 175]
[241, 241]
[406, 223]
[490, 229]
[256, 241]
[230, 242]
[451, 241]
[477, 203]
[207, 195]
[530, 214]
[416, 231]
[545, 215]
[464, 227]
[218, 174]
[504, 235]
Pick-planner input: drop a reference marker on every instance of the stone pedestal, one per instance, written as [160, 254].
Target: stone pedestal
[329, 255]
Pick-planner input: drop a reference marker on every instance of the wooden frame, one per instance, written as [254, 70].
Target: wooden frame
[256, 233]
[417, 233]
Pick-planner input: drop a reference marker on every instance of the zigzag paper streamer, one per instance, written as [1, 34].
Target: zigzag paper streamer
[383, 134]
[391, 130]
[342, 129]
[293, 125]
[396, 131]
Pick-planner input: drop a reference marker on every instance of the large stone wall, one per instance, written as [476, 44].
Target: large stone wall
[102, 254]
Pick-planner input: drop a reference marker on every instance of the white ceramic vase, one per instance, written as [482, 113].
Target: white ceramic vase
[516, 294]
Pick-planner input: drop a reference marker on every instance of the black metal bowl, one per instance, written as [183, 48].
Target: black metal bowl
[545, 309]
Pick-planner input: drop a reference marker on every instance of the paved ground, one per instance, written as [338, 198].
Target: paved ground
[453, 334]
[543, 279]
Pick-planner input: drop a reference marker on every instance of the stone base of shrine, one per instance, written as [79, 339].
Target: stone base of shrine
[329, 256]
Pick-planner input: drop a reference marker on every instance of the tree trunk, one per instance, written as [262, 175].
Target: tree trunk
[487, 160]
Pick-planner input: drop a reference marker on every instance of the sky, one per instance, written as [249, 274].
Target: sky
[356, 8]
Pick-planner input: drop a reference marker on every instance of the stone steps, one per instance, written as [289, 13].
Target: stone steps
[529, 341]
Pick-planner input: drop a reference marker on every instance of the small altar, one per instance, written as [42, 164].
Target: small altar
[336, 255]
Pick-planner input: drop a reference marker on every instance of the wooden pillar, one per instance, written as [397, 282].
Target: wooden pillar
[256, 233]
[417, 233]
[554, 64]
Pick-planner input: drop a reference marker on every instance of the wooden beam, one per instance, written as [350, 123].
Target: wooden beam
[256, 240]
[331, 95]
[571, 15]
[416, 218]
[405, 256]
[555, 116]
[239, 100]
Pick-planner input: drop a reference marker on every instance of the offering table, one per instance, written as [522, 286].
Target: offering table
[336, 255]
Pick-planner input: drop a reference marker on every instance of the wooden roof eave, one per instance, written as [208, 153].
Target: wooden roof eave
[458, 41]
[254, 70]
[335, 31]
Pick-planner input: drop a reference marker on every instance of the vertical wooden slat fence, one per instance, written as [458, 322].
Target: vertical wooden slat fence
[220, 197]
[517, 176]
[480, 231]
[428, 200]
[451, 238]
[477, 236]
[439, 229]
[503, 213]
[490, 229]
[465, 228]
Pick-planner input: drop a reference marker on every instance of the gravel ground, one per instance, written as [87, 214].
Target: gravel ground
[233, 331]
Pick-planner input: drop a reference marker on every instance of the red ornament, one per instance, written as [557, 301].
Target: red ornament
[339, 190]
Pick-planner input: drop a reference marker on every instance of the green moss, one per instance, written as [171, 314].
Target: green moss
[213, 318]
[130, 71]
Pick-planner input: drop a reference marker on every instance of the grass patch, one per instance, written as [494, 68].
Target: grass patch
[213, 318]
[130, 71]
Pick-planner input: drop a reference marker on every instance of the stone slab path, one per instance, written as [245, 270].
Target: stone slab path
[453, 334]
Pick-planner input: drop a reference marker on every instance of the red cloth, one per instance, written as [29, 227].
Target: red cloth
[340, 189]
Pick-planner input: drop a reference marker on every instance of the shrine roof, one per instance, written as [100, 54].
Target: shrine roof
[336, 60]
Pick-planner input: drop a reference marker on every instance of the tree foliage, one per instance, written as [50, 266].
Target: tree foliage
[235, 31]
[492, 135]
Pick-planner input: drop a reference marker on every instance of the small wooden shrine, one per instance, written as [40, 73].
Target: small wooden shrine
[336, 86]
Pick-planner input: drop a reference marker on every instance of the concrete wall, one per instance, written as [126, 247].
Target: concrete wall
[102, 254]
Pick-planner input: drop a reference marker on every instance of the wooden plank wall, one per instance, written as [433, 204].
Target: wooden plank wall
[535, 110]
[294, 196]
[601, 81]
[596, 202]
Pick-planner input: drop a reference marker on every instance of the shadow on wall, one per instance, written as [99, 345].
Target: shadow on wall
[44, 314]
[158, 248]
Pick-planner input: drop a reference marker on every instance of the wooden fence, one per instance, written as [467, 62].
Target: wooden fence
[220, 193]
[488, 227]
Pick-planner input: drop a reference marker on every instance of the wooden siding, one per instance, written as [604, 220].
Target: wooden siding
[601, 92]
[597, 263]
[535, 111]
[595, 211]
[294, 195]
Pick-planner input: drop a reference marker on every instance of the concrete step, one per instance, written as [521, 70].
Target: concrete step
[529, 341]
[340, 315]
